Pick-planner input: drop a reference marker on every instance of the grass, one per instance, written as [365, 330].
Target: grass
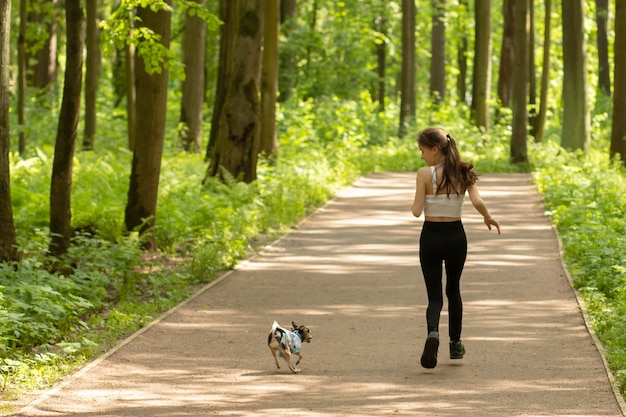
[585, 196]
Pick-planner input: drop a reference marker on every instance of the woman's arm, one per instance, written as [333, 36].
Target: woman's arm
[481, 207]
[423, 175]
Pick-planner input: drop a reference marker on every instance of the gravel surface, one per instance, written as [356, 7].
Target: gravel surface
[351, 273]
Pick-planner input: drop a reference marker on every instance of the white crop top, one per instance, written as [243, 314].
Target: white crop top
[442, 205]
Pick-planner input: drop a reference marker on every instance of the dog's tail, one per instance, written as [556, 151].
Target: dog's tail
[272, 335]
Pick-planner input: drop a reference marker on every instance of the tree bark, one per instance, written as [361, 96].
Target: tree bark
[44, 72]
[482, 64]
[237, 143]
[540, 120]
[618, 128]
[192, 102]
[519, 135]
[61, 183]
[151, 103]
[461, 81]
[532, 77]
[92, 72]
[438, 52]
[507, 55]
[407, 85]
[226, 8]
[269, 79]
[22, 67]
[131, 95]
[602, 18]
[380, 25]
[8, 238]
[287, 53]
[576, 118]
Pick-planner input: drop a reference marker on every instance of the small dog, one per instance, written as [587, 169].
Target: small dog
[288, 342]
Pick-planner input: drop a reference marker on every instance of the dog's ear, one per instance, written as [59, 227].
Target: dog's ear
[293, 323]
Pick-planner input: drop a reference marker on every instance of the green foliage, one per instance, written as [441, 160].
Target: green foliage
[585, 196]
[123, 28]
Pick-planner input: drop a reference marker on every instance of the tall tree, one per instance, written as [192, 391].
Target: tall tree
[192, 102]
[507, 55]
[151, 106]
[226, 10]
[237, 143]
[481, 85]
[287, 52]
[540, 120]
[407, 84]
[22, 66]
[602, 38]
[269, 78]
[131, 91]
[438, 51]
[61, 182]
[462, 48]
[380, 26]
[92, 72]
[43, 13]
[576, 118]
[618, 128]
[520, 87]
[532, 77]
[7, 226]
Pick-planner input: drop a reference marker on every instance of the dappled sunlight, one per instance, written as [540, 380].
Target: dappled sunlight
[351, 273]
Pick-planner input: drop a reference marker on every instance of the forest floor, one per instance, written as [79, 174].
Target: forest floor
[350, 272]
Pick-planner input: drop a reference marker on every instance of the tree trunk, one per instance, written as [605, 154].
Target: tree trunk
[438, 51]
[540, 121]
[151, 106]
[618, 128]
[602, 18]
[287, 53]
[44, 73]
[22, 67]
[482, 64]
[226, 15]
[269, 79]
[92, 72]
[8, 239]
[237, 143]
[507, 55]
[576, 118]
[192, 102]
[407, 85]
[532, 77]
[461, 81]
[519, 136]
[380, 25]
[61, 183]
[131, 95]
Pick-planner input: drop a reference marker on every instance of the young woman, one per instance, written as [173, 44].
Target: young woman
[439, 194]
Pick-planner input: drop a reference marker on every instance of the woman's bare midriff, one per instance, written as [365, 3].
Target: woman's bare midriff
[441, 219]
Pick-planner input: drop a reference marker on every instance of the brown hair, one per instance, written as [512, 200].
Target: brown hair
[457, 175]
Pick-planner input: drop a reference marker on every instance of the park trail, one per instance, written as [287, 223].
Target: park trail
[350, 272]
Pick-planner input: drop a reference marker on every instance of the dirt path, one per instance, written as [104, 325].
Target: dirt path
[350, 272]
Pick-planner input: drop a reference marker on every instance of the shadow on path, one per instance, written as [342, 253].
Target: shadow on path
[351, 273]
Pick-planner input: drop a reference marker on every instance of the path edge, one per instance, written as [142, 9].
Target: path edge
[590, 330]
[39, 398]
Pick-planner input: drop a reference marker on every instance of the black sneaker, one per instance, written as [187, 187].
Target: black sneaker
[457, 350]
[429, 356]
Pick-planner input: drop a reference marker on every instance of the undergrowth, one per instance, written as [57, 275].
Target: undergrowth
[585, 195]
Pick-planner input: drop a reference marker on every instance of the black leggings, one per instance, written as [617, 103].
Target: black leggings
[443, 243]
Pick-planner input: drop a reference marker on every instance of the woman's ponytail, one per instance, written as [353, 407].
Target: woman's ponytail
[457, 175]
